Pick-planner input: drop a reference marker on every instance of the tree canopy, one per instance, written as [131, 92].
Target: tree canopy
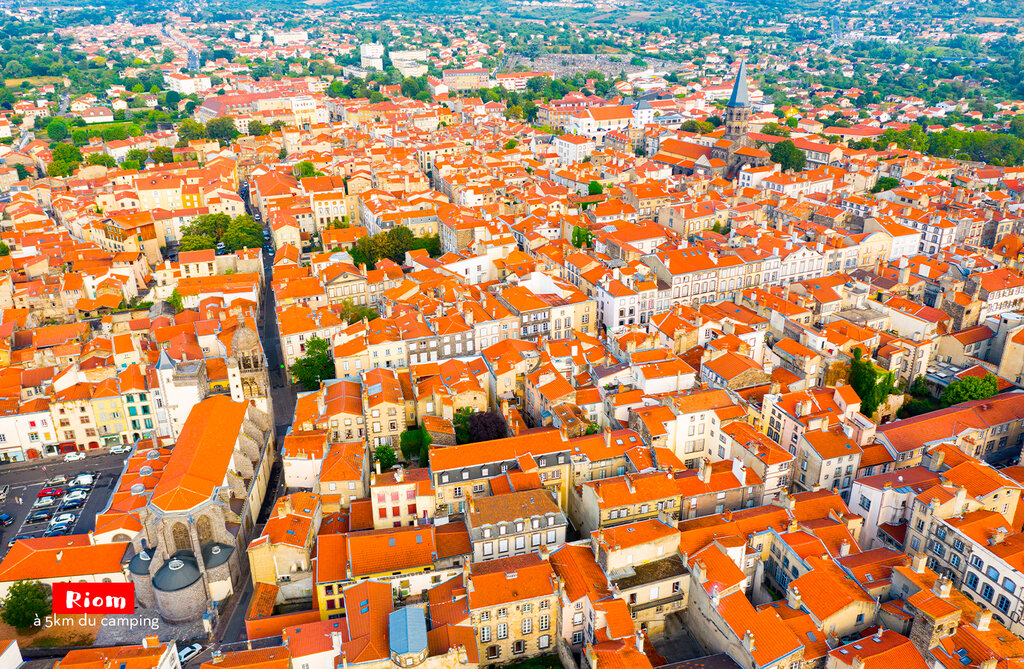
[315, 365]
[25, 602]
[788, 156]
[872, 388]
[969, 388]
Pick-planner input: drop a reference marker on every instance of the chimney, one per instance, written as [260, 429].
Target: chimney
[704, 470]
[917, 563]
[937, 458]
[982, 619]
[959, 499]
[216, 656]
[150, 641]
[608, 436]
[793, 597]
[989, 663]
[399, 475]
[748, 641]
[376, 466]
[943, 587]
[844, 548]
[998, 536]
[60, 554]
[286, 507]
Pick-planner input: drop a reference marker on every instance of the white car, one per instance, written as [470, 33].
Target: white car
[188, 652]
[86, 480]
[44, 502]
[121, 448]
[62, 518]
[74, 496]
[73, 457]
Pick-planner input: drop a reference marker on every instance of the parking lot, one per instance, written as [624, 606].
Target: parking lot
[27, 479]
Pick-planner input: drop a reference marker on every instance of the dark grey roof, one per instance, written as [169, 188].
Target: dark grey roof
[643, 104]
[141, 563]
[215, 554]
[740, 93]
[178, 573]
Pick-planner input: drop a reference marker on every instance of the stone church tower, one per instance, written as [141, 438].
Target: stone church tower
[737, 112]
[736, 149]
[248, 376]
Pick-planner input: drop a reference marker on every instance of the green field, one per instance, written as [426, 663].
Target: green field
[35, 81]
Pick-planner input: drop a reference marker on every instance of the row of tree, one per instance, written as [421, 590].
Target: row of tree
[240, 232]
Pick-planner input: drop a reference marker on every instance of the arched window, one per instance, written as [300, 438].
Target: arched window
[121, 537]
[182, 541]
[204, 530]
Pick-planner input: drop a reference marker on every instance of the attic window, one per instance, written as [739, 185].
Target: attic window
[391, 541]
[419, 538]
[364, 606]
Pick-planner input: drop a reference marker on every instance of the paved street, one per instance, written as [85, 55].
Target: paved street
[28, 478]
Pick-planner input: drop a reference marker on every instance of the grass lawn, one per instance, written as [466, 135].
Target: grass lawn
[68, 633]
[35, 81]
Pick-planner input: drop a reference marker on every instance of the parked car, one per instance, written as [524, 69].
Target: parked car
[44, 502]
[80, 489]
[121, 448]
[6, 519]
[50, 492]
[57, 531]
[188, 652]
[14, 540]
[74, 457]
[75, 495]
[62, 518]
[71, 505]
[57, 480]
[39, 516]
[4, 489]
[86, 480]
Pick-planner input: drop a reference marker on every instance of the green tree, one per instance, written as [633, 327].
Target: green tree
[461, 424]
[699, 127]
[243, 233]
[511, 144]
[57, 130]
[80, 137]
[163, 154]
[776, 129]
[788, 156]
[885, 183]
[26, 602]
[315, 365]
[176, 301]
[412, 443]
[595, 188]
[304, 169]
[872, 388]
[101, 159]
[66, 153]
[197, 243]
[258, 128]
[190, 129]
[969, 388]
[222, 129]
[582, 237]
[210, 225]
[386, 456]
[5, 250]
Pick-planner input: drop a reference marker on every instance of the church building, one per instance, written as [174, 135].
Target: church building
[736, 149]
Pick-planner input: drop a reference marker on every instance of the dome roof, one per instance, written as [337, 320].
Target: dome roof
[215, 554]
[245, 340]
[140, 564]
[178, 573]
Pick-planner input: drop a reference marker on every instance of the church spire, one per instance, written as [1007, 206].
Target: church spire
[740, 94]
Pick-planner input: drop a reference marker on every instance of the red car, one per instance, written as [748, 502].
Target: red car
[50, 492]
